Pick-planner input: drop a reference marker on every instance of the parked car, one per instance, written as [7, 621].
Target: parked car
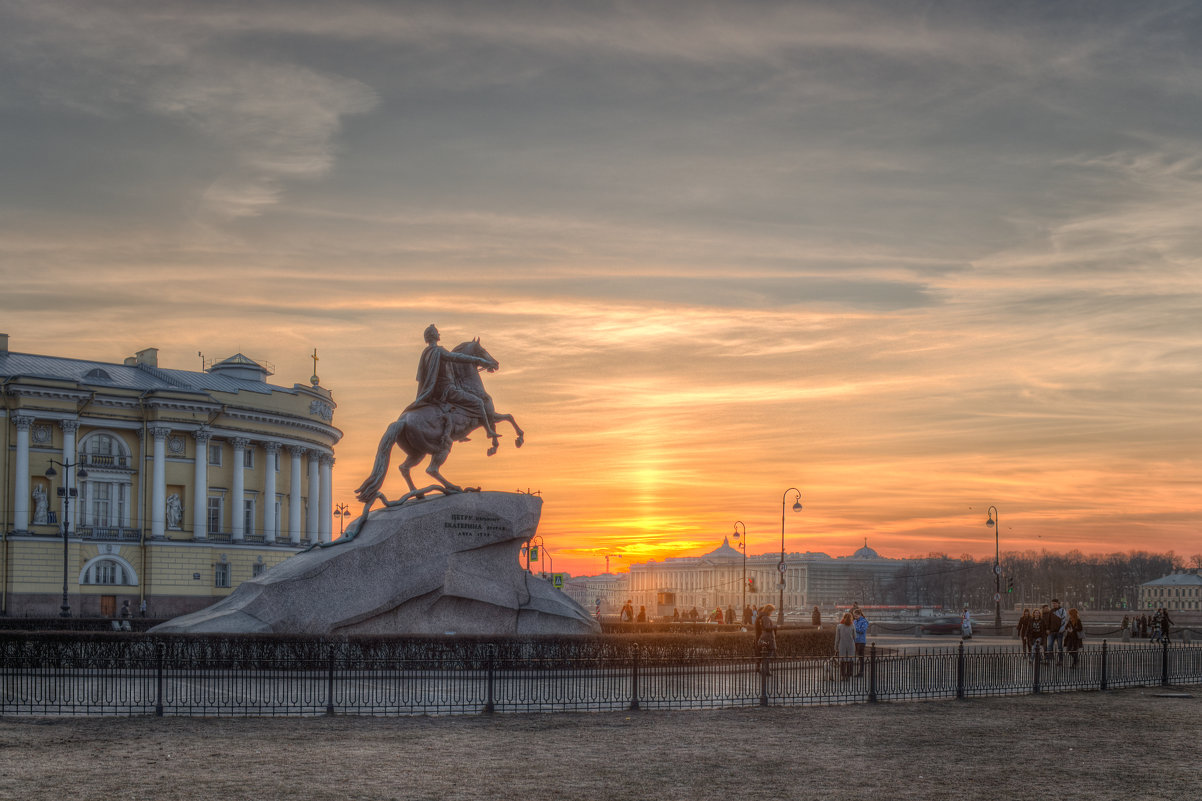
[941, 625]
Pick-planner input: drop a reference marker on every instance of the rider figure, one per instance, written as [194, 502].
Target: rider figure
[436, 384]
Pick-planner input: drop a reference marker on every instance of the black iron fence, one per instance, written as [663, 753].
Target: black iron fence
[42, 675]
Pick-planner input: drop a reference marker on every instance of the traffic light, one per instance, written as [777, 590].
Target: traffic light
[1010, 584]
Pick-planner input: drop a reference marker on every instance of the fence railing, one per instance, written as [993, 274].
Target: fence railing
[159, 676]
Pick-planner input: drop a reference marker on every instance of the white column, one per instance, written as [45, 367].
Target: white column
[327, 498]
[200, 485]
[70, 477]
[158, 482]
[270, 524]
[312, 528]
[294, 497]
[238, 502]
[21, 479]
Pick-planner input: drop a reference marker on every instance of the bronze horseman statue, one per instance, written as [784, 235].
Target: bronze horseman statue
[451, 403]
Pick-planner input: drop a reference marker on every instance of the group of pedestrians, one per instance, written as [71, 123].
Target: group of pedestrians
[851, 642]
[627, 615]
[728, 616]
[1051, 630]
[1155, 628]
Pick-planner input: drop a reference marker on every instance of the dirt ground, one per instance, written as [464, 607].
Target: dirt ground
[1119, 745]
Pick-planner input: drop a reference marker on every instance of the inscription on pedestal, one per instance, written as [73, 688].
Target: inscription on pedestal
[476, 525]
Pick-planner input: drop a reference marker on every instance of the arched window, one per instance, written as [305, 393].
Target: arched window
[101, 449]
[104, 494]
[109, 570]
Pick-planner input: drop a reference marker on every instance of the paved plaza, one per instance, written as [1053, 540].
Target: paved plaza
[1120, 745]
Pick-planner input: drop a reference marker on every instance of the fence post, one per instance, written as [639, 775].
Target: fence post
[634, 678]
[1103, 681]
[489, 705]
[1164, 662]
[330, 680]
[159, 647]
[960, 671]
[1038, 662]
[872, 674]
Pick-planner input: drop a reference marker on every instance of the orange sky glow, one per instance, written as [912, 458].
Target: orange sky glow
[911, 266]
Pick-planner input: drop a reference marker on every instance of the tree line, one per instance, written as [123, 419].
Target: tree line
[1094, 581]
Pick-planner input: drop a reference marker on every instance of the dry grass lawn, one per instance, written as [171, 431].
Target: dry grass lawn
[1120, 745]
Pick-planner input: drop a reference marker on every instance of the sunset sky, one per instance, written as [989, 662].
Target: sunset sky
[913, 259]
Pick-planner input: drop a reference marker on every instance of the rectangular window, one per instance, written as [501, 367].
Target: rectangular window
[100, 506]
[248, 516]
[214, 515]
[215, 455]
[248, 459]
[275, 457]
[256, 569]
[107, 572]
[221, 575]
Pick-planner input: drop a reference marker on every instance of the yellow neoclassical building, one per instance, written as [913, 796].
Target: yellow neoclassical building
[173, 486]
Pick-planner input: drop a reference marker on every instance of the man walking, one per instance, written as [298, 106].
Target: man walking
[1057, 621]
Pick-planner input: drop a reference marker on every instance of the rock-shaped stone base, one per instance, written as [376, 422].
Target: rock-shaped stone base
[446, 564]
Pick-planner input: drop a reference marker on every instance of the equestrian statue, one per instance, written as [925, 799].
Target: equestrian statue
[451, 403]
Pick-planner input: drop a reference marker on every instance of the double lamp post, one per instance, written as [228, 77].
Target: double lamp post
[780, 566]
[67, 491]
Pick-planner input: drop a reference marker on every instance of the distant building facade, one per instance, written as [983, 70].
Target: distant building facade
[185, 484]
[715, 580]
[606, 592]
[1180, 591]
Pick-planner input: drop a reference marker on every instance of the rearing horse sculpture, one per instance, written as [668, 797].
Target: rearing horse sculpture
[431, 429]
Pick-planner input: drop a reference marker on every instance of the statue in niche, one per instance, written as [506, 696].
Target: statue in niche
[40, 505]
[451, 403]
[175, 511]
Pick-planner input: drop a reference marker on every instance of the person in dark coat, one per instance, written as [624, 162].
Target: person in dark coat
[1073, 636]
[765, 639]
[1024, 630]
[845, 646]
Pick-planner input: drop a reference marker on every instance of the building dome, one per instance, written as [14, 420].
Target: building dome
[239, 366]
[865, 552]
[724, 551]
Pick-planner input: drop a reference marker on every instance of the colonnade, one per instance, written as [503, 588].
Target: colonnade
[320, 464]
[318, 523]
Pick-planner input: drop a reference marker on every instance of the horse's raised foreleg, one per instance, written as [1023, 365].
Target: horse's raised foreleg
[517, 429]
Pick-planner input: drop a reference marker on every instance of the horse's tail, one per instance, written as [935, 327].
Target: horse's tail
[379, 471]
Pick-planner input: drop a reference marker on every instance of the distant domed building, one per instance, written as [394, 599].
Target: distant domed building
[716, 579]
[182, 483]
[865, 552]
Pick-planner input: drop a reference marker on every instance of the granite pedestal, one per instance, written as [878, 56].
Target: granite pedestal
[446, 564]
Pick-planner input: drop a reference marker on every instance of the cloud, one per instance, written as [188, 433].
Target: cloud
[275, 121]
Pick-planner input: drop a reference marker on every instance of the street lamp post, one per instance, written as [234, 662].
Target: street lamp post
[66, 492]
[780, 613]
[342, 513]
[995, 523]
[743, 548]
